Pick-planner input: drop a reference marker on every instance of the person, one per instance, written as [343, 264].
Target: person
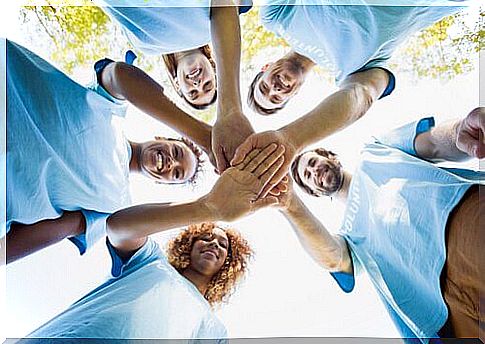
[67, 163]
[410, 224]
[155, 297]
[366, 38]
[162, 28]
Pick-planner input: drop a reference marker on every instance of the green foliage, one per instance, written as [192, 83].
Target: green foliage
[255, 37]
[444, 50]
[78, 32]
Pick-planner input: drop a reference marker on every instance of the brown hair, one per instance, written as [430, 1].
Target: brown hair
[223, 283]
[294, 169]
[252, 102]
[171, 65]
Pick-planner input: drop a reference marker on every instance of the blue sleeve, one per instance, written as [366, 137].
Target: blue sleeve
[95, 230]
[149, 252]
[346, 281]
[96, 86]
[391, 85]
[403, 137]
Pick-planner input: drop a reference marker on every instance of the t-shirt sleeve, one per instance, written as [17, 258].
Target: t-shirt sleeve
[149, 252]
[346, 281]
[95, 230]
[391, 85]
[119, 106]
[403, 137]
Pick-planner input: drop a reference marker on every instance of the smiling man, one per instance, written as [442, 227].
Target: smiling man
[67, 163]
[346, 39]
[411, 225]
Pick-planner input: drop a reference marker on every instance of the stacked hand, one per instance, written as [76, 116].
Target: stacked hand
[469, 138]
[227, 134]
[261, 140]
[236, 192]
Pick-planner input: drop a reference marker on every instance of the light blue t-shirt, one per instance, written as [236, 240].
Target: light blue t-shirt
[347, 39]
[163, 26]
[63, 151]
[146, 299]
[394, 224]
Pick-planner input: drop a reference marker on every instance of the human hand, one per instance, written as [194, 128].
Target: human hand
[236, 192]
[227, 134]
[287, 198]
[261, 140]
[469, 133]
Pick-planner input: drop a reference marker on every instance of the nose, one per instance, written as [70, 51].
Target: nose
[196, 82]
[169, 162]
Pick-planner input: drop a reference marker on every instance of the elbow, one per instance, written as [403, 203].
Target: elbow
[115, 231]
[362, 96]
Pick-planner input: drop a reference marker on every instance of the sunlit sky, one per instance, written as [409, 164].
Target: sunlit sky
[285, 293]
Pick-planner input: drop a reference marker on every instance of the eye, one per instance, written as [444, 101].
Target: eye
[207, 86]
[178, 174]
[193, 94]
[175, 152]
[223, 244]
[312, 162]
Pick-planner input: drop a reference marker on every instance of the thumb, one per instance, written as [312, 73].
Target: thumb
[468, 144]
[265, 202]
[221, 161]
[242, 151]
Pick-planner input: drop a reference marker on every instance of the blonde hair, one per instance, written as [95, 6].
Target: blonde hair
[223, 283]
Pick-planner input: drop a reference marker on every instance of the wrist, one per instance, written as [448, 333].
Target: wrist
[290, 139]
[206, 209]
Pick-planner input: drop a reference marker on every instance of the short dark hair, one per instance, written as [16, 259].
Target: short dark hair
[252, 102]
[294, 169]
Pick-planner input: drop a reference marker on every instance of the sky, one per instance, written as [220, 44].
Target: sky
[285, 293]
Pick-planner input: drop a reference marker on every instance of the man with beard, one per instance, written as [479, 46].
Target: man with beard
[411, 225]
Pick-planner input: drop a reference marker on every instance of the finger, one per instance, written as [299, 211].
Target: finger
[285, 179]
[248, 158]
[262, 156]
[274, 192]
[271, 172]
[274, 179]
[268, 161]
[221, 160]
[265, 202]
[243, 150]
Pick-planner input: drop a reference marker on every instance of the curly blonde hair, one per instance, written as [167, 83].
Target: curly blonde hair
[223, 283]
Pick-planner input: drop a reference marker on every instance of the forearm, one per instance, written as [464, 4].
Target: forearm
[124, 81]
[339, 110]
[137, 222]
[439, 143]
[329, 251]
[226, 41]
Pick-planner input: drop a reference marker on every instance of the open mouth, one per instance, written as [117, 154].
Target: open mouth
[283, 82]
[159, 160]
[194, 73]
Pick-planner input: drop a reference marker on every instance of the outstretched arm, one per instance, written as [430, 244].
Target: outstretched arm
[334, 113]
[327, 250]
[339, 110]
[124, 81]
[231, 127]
[455, 140]
[235, 194]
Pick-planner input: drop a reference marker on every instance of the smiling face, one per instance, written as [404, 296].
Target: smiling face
[196, 78]
[279, 82]
[209, 252]
[167, 161]
[321, 173]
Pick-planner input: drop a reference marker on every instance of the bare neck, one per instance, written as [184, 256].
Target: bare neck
[200, 281]
[305, 62]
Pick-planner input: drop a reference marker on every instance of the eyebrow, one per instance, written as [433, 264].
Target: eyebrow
[261, 87]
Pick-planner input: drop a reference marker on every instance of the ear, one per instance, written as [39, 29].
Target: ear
[159, 138]
[266, 66]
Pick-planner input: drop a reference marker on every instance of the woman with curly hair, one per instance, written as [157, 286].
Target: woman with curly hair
[153, 295]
